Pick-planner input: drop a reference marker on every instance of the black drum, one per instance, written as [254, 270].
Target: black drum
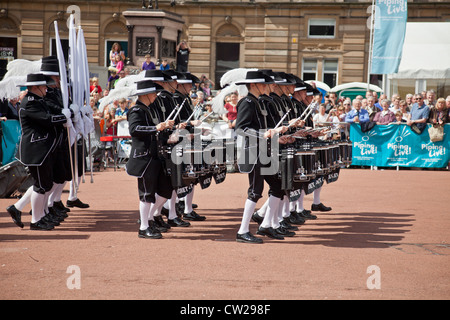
[304, 165]
[322, 163]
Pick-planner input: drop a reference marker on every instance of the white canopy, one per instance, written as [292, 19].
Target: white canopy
[356, 85]
[426, 51]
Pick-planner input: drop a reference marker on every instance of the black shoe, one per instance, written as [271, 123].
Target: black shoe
[193, 216]
[160, 224]
[269, 232]
[41, 225]
[178, 222]
[194, 206]
[257, 218]
[295, 218]
[16, 215]
[247, 238]
[77, 203]
[284, 232]
[60, 206]
[285, 224]
[50, 220]
[149, 233]
[56, 214]
[306, 214]
[320, 207]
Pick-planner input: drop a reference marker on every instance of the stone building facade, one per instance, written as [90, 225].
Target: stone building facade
[324, 40]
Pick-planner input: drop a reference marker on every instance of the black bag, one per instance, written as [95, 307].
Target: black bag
[418, 127]
[12, 176]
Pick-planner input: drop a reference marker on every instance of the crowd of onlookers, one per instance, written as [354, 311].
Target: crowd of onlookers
[417, 108]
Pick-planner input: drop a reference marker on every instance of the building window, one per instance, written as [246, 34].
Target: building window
[309, 71]
[321, 28]
[330, 72]
[64, 46]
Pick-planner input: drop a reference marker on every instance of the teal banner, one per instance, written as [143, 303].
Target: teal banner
[397, 145]
[10, 140]
[388, 35]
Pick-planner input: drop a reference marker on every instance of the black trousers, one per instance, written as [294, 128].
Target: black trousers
[43, 175]
[154, 181]
[62, 170]
[256, 184]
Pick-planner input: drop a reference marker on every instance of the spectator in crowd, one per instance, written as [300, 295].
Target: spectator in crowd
[231, 105]
[419, 112]
[357, 114]
[121, 76]
[386, 115]
[438, 113]
[395, 105]
[403, 109]
[409, 100]
[119, 63]
[375, 95]
[110, 121]
[447, 104]
[200, 97]
[205, 89]
[95, 88]
[377, 104]
[371, 107]
[430, 100]
[364, 103]
[183, 51]
[347, 105]
[112, 79]
[320, 117]
[399, 118]
[148, 63]
[121, 112]
[333, 99]
[116, 50]
[164, 65]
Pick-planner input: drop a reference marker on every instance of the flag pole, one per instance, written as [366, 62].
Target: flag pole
[64, 90]
[369, 64]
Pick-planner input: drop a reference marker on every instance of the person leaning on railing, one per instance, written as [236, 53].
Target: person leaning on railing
[439, 113]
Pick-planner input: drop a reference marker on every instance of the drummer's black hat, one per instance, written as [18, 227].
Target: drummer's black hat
[255, 76]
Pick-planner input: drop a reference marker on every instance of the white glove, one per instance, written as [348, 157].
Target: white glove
[66, 113]
[68, 123]
[75, 108]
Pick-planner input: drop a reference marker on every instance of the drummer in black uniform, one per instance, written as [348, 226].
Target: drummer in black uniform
[251, 119]
[153, 186]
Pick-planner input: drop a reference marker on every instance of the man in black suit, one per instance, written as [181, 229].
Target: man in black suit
[38, 140]
[145, 124]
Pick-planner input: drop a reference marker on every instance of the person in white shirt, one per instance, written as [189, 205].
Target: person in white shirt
[320, 117]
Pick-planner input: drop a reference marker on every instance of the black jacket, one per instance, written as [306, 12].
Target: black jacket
[142, 121]
[39, 130]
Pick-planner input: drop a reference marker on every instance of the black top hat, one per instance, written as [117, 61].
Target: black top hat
[35, 79]
[310, 90]
[299, 84]
[256, 77]
[288, 79]
[157, 75]
[274, 75]
[50, 69]
[51, 59]
[172, 74]
[191, 77]
[147, 86]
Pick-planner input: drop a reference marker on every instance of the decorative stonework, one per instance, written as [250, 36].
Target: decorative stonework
[145, 46]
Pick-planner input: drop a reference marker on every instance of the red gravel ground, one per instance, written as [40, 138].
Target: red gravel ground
[395, 220]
